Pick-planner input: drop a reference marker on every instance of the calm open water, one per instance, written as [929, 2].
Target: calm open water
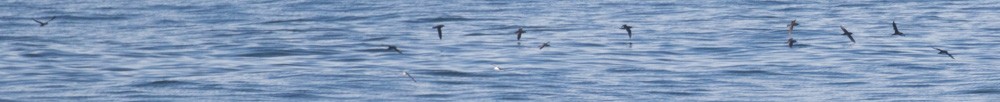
[332, 50]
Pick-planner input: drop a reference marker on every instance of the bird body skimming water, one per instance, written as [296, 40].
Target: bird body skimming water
[896, 29]
[847, 33]
[627, 29]
[408, 75]
[546, 44]
[944, 52]
[438, 27]
[519, 32]
[791, 42]
[393, 48]
[42, 24]
[497, 68]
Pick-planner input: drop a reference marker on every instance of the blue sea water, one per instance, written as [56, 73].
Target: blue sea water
[334, 50]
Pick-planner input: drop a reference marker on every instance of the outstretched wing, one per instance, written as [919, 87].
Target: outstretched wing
[851, 37]
[411, 77]
[844, 29]
[36, 21]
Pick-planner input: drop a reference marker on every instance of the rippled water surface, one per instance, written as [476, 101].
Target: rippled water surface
[335, 50]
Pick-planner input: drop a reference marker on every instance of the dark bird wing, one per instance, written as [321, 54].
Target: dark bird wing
[851, 37]
[397, 50]
[50, 19]
[36, 21]
[937, 49]
[847, 33]
[519, 36]
[411, 77]
[543, 45]
[844, 29]
[629, 33]
[440, 36]
[952, 57]
[790, 42]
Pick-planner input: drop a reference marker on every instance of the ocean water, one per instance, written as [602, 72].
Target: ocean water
[335, 50]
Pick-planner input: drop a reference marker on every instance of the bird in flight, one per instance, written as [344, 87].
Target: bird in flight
[519, 32]
[408, 75]
[847, 33]
[894, 28]
[627, 29]
[42, 24]
[438, 27]
[790, 42]
[790, 27]
[393, 48]
[944, 52]
[546, 44]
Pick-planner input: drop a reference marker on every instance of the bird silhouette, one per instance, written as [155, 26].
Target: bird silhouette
[438, 27]
[408, 75]
[546, 44]
[42, 24]
[791, 42]
[847, 33]
[394, 48]
[896, 29]
[791, 26]
[944, 52]
[627, 29]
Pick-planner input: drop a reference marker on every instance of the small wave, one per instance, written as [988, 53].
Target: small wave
[118, 69]
[451, 73]
[981, 91]
[281, 53]
[751, 72]
[446, 19]
[295, 95]
[634, 70]
[435, 95]
[165, 83]
[674, 93]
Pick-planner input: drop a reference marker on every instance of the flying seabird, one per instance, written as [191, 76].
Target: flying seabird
[408, 75]
[944, 52]
[790, 27]
[497, 68]
[42, 24]
[791, 42]
[393, 48]
[519, 32]
[894, 28]
[438, 27]
[847, 33]
[627, 29]
[546, 44]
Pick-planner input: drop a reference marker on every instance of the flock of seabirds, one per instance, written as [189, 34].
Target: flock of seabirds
[791, 41]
